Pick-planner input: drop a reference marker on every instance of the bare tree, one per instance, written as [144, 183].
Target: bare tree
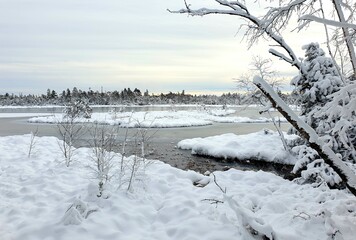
[262, 67]
[102, 142]
[143, 136]
[70, 132]
[139, 162]
[33, 140]
[123, 165]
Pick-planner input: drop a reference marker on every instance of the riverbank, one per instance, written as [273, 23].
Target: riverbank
[163, 145]
[42, 198]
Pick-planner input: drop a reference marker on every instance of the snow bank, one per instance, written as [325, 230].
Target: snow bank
[40, 198]
[158, 119]
[265, 145]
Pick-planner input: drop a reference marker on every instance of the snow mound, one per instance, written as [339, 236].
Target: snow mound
[265, 145]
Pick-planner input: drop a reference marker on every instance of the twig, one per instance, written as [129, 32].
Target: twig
[302, 215]
[213, 201]
[216, 183]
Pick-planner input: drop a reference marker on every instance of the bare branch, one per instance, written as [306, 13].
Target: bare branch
[216, 183]
[212, 201]
[33, 141]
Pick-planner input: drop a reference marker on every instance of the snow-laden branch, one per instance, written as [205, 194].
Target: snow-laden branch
[309, 134]
[258, 27]
[248, 220]
[242, 6]
[281, 56]
[206, 11]
[280, 15]
[327, 21]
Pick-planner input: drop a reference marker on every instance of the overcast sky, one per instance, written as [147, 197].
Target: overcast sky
[117, 44]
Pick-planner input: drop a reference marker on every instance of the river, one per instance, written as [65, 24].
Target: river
[162, 144]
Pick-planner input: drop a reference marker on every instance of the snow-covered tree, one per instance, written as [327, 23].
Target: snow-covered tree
[77, 109]
[263, 68]
[337, 129]
[316, 144]
[315, 88]
[324, 97]
[320, 81]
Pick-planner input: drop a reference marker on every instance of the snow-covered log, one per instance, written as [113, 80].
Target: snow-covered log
[309, 134]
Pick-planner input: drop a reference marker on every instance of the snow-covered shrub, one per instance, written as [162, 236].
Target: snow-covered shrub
[103, 141]
[136, 166]
[78, 109]
[328, 105]
[315, 171]
[33, 140]
[69, 130]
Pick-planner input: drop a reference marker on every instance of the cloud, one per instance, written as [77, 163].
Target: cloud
[117, 44]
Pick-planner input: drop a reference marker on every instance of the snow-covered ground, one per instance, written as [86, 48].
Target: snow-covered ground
[41, 198]
[158, 119]
[265, 145]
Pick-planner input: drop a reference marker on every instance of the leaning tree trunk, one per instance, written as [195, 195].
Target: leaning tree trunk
[310, 135]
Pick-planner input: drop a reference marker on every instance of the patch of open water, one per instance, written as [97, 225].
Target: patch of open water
[162, 146]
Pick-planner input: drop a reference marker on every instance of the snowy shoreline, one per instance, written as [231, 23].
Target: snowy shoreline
[131, 105]
[37, 192]
[264, 145]
[157, 119]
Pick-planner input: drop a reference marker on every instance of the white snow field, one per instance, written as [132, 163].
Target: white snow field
[41, 198]
[157, 119]
[264, 145]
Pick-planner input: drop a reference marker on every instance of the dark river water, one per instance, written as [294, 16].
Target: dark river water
[162, 143]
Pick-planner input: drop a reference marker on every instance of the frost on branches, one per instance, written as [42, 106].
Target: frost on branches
[328, 106]
[78, 109]
[316, 86]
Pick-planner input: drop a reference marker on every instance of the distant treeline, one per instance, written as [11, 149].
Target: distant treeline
[126, 96]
